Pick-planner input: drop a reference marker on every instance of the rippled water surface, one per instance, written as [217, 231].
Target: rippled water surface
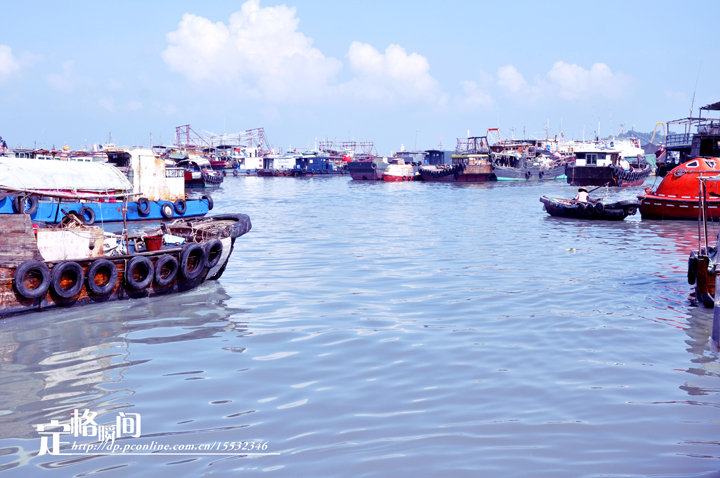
[371, 329]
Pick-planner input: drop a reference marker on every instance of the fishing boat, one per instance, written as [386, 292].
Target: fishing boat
[73, 264]
[199, 172]
[681, 147]
[399, 170]
[371, 169]
[678, 194]
[48, 190]
[525, 159]
[471, 163]
[592, 209]
[601, 165]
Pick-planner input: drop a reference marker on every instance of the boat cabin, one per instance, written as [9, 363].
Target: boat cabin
[597, 157]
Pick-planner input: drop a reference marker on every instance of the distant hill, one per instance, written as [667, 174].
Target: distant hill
[643, 138]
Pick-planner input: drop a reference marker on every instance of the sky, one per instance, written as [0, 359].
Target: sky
[402, 74]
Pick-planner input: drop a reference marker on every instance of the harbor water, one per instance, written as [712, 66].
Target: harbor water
[373, 329]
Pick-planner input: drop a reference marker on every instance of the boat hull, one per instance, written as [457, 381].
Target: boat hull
[52, 211]
[658, 207]
[366, 170]
[596, 210]
[504, 173]
[606, 176]
[224, 228]
[459, 173]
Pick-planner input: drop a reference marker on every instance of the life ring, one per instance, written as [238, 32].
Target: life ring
[87, 215]
[192, 261]
[209, 200]
[143, 206]
[108, 271]
[692, 270]
[167, 210]
[213, 252]
[36, 270]
[599, 207]
[65, 270]
[166, 269]
[180, 206]
[25, 205]
[143, 267]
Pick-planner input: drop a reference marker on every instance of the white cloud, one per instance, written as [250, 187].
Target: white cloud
[260, 53]
[64, 82]
[510, 79]
[9, 65]
[394, 75]
[563, 81]
[573, 82]
[475, 96]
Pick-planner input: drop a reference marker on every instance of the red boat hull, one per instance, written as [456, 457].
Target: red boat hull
[678, 195]
[387, 177]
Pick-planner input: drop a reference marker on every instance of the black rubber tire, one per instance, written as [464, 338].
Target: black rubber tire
[209, 200]
[599, 207]
[73, 268]
[27, 267]
[143, 206]
[144, 266]
[180, 206]
[26, 205]
[87, 215]
[163, 263]
[166, 210]
[213, 252]
[92, 271]
[192, 251]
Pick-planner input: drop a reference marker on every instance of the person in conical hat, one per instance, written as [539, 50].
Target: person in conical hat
[582, 195]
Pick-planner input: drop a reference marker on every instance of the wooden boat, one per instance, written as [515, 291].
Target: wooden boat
[678, 195]
[593, 209]
[471, 163]
[525, 160]
[74, 264]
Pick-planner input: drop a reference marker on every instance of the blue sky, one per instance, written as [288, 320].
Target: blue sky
[415, 73]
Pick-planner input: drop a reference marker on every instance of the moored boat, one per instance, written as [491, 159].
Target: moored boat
[678, 195]
[96, 191]
[524, 160]
[367, 170]
[74, 264]
[471, 163]
[593, 209]
[399, 170]
[599, 165]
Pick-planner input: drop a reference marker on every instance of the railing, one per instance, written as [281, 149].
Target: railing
[676, 140]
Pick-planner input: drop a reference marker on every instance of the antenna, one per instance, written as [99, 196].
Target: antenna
[692, 104]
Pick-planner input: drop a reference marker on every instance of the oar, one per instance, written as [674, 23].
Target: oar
[593, 189]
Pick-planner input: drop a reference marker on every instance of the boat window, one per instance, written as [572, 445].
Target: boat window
[711, 164]
[591, 158]
[692, 164]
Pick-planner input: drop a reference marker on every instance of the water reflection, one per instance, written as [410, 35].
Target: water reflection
[57, 361]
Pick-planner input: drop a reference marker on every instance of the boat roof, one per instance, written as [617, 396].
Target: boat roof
[712, 107]
[20, 174]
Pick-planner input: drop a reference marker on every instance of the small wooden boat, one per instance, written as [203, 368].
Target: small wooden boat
[73, 264]
[593, 209]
